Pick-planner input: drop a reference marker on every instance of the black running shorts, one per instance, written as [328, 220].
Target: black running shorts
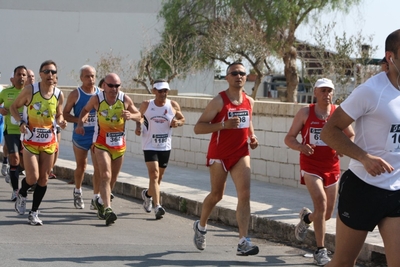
[362, 206]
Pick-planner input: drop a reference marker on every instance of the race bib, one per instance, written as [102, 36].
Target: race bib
[115, 139]
[315, 138]
[41, 135]
[13, 121]
[159, 140]
[393, 139]
[243, 115]
[91, 121]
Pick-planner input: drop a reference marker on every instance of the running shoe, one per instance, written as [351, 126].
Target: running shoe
[199, 236]
[246, 248]
[20, 204]
[147, 201]
[100, 209]
[14, 195]
[159, 211]
[321, 257]
[4, 169]
[7, 178]
[33, 218]
[110, 216]
[78, 200]
[92, 205]
[301, 228]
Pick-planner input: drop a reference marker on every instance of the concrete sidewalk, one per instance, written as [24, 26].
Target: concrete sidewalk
[274, 208]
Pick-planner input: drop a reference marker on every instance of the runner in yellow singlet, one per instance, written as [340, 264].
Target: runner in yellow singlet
[113, 109]
[42, 104]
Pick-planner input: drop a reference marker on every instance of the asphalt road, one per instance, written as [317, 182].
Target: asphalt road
[71, 237]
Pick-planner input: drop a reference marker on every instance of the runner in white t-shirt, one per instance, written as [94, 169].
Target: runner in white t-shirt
[369, 192]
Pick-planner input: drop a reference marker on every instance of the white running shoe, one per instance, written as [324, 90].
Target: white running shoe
[14, 195]
[33, 218]
[7, 178]
[301, 228]
[199, 238]
[20, 204]
[78, 200]
[246, 248]
[159, 211]
[321, 257]
[147, 201]
[93, 205]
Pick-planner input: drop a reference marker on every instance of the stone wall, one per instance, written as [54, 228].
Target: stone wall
[272, 161]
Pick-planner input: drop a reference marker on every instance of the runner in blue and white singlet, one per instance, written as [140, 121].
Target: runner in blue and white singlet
[84, 141]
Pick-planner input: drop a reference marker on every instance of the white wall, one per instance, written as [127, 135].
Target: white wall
[73, 32]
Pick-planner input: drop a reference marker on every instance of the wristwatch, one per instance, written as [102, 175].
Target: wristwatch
[21, 122]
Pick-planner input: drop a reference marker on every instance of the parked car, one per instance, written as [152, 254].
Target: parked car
[272, 82]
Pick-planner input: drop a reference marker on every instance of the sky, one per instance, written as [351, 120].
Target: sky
[376, 18]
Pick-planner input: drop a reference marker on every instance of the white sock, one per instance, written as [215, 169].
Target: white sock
[95, 196]
[101, 201]
[78, 190]
[201, 228]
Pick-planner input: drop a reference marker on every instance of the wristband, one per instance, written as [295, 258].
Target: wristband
[254, 136]
[21, 122]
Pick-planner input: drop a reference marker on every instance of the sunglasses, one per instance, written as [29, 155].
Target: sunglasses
[111, 85]
[48, 71]
[162, 91]
[236, 73]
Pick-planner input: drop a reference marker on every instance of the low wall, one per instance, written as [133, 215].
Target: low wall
[271, 162]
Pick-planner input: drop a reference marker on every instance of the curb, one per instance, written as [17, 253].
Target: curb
[259, 227]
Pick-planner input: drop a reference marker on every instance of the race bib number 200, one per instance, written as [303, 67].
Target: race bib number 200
[42, 135]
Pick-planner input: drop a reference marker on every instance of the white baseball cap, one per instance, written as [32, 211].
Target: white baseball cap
[324, 82]
[161, 85]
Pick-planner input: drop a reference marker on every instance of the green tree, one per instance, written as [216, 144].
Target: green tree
[168, 59]
[273, 21]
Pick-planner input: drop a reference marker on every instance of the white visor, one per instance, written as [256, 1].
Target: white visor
[161, 85]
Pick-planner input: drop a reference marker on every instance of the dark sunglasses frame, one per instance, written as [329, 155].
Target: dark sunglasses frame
[236, 73]
[111, 85]
[48, 71]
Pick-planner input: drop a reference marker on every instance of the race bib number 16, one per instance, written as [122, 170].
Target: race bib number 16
[393, 139]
